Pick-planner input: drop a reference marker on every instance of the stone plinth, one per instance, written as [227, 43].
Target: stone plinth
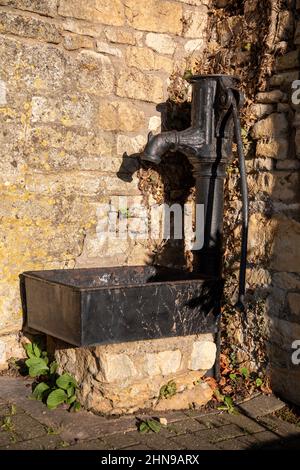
[126, 377]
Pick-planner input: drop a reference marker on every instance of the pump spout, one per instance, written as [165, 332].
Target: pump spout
[188, 141]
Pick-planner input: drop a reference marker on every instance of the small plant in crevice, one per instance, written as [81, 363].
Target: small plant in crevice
[50, 387]
[149, 425]
[168, 390]
[228, 405]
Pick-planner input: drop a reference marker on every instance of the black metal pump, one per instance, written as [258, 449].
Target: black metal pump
[208, 146]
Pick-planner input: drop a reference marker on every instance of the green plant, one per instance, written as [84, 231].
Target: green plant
[51, 388]
[245, 373]
[7, 424]
[228, 405]
[168, 390]
[258, 382]
[149, 425]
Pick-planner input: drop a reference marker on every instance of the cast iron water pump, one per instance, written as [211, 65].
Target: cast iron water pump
[208, 146]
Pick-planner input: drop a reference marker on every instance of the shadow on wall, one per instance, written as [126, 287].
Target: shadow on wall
[274, 237]
[173, 176]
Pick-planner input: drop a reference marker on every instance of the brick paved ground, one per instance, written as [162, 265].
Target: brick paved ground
[28, 424]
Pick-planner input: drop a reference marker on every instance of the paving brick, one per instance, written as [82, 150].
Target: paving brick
[282, 428]
[95, 444]
[158, 442]
[26, 427]
[45, 442]
[6, 438]
[214, 421]
[182, 427]
[261, 405]
[117, 441]
[222, 433]
[249, 425]
[192, 442]
[239, 443]
[137, 447]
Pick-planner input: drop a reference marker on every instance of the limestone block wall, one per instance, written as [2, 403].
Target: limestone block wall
[79, 85]
[284, 300]
[123, 378]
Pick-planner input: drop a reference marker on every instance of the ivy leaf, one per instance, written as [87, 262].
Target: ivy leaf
[71, 399]
[258, 382]
[53, 367]
[76, 406]
[143, 428]
[29, 350]
[228, 401]
[39, 390]
[65, 380]
[36, 350]
[70, 391]
[37, 366]
[55, 398]
[154, 425]
[244, 371]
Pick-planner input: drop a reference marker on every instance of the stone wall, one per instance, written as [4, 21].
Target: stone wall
[126, 377]
[79, 85]
[284, 151]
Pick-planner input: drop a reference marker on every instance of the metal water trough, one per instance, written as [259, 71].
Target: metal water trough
[109, 305]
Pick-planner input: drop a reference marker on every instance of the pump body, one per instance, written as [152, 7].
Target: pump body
[208, 145]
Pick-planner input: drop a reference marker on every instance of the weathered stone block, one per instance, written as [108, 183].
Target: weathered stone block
[284, 79]
[164, 363]
[261, 232]
[102, 11]
[121, 36]
[116, 367]
[297, 34]
[286, 383]
[29, 27]
[145, 59]
[118, 115]
[297, 142]
[275, 125]
[288, 165]
[93, 73]
[64, 110]
[194, 45]
[286, 246]
[288, 61]
[81, 27]
[203, 355]
[10, 347]
[130, 145]
[153, 15]
[196, 397]
[261, 110]
[45, 7]
[194, 22]
[108, 49]
[294, 303]
[140, 86]
[286, 186]
[277, 149]
[161, 43]
[71, 42]
[287, 281]
[273, 96]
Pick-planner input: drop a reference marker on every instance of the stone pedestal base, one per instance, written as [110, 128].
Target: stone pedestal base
[126, 377]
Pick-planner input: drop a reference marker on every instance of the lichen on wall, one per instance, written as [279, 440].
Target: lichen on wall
[79, 86]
